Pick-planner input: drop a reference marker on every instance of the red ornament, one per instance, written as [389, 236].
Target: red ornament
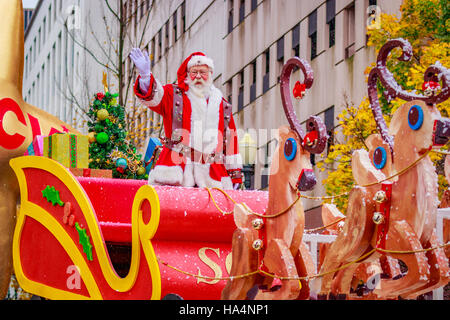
[311, 138]
[430, 88]
[100, 96]
[120, 169]
[299, 90]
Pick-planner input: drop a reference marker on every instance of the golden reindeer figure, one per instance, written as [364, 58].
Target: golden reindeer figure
[19, 123]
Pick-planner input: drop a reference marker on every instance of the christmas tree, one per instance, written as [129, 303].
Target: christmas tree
[109, 147]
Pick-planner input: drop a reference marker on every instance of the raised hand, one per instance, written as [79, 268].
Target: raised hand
[142, 62]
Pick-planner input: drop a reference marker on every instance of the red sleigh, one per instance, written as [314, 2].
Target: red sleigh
[88, 238]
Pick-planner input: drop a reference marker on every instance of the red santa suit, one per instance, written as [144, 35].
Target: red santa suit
[207, 155]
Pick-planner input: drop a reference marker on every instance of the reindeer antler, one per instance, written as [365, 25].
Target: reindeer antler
[314, 123]
[393, 90]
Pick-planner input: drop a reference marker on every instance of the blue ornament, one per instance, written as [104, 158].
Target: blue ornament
[122, 163]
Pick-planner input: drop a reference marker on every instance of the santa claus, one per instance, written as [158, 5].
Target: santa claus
[201, 145]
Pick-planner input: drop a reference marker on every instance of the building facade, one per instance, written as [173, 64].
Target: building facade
[61, 57]
[249, 41]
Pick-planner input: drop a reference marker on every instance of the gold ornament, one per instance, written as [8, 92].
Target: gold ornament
[102, 114]
[380, 196]
[141, 171]
[113, 119]
[257, 224]
[91, 137]
[257, 244]
[133, 166]
[378, 217]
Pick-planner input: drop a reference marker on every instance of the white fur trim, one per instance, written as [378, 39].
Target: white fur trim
[188, 175]
[158, 95]
[233, 162]
[205, 120]
[166, 175]
[227, 184]
[200, 60]
[194, 173]
[202, 177]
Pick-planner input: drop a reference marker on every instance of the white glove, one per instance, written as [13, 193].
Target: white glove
[142, 62]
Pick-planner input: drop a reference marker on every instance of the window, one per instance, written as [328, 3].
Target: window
[280, 49]
[241, 91]
[44, 29]
[55, 10]
[26, 66]
[230, 15]
[312, 33]
[53, 76]
[331, 21]
[167, 36]
[159, 43]
[254, 4]
[174, 19]
[296, 40]
[372, 12]
[329, 124]
[266, 78]
[153, 52]
[34, 47]
[241, 11]
[350, 31]
[183, 16]
[39, 41]
[280, 57]
[253, 85]
[50, 19]
[229, 91]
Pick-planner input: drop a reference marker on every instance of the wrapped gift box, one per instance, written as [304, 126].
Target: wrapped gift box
[36, 148]
[91, 173]
[152, 152]
[71, 150]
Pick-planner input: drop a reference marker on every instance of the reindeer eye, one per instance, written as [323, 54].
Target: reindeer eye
[415, 117]
[290, 149]
[379, 158]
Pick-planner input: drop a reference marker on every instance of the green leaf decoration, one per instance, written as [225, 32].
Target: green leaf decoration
[52, 195]
[84, 241]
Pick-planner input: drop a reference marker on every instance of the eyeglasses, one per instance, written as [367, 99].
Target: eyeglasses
[201, 73]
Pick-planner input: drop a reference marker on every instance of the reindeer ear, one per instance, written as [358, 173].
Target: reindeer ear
[316, 138]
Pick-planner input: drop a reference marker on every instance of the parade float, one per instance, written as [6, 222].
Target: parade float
[80, 235]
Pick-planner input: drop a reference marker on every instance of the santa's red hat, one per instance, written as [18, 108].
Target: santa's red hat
[195, 59]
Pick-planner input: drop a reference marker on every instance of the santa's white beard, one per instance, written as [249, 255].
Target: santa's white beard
[200, 87]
